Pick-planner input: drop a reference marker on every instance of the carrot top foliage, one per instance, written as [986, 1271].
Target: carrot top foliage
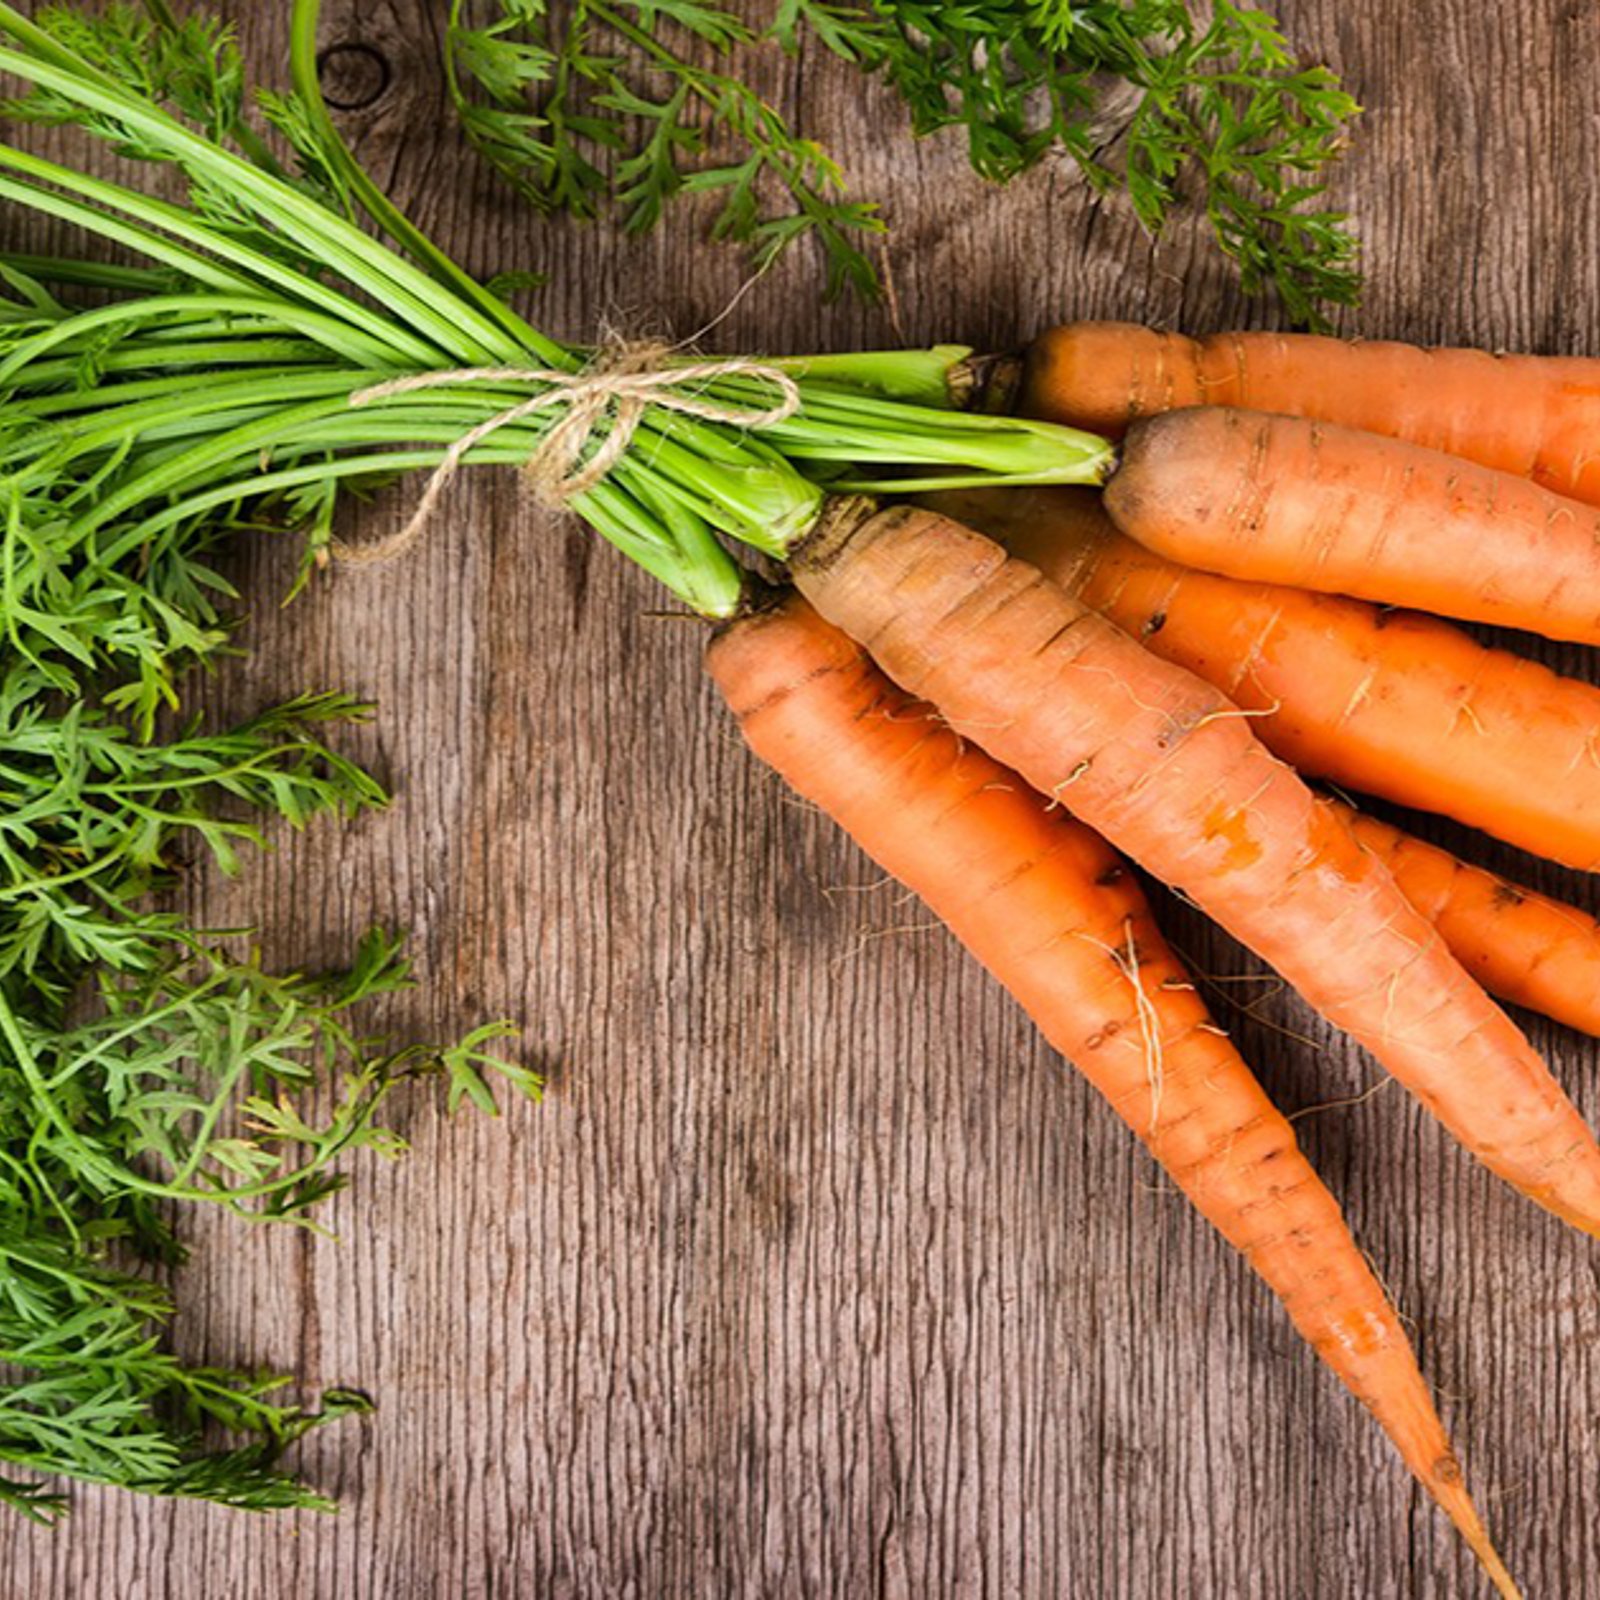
[609, 102]
[257, 357]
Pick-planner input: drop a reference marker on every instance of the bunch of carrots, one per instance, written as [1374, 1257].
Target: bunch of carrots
[1000, 718]
[1147, 670]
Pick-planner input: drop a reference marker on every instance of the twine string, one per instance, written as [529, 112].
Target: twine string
[620, 386]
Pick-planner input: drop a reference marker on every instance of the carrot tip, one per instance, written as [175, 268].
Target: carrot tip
[1461, 1511]
[1505, 1585]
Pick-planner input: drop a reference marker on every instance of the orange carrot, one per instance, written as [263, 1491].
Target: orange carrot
[1284, 500]
[1519, 944]
[1391, 703]
[1537, 416]
[1167, 769]
[1048, 907]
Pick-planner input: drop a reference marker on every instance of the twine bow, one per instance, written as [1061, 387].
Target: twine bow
[620, 386]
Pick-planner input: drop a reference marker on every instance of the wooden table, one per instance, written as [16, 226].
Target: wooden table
[816, 1274]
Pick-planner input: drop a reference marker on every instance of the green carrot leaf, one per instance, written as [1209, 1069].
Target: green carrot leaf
[1219, 112]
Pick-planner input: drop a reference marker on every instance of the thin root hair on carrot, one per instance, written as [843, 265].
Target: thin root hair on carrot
[865, 941]
[1346, 1103]
[1127, 961]
[1236, 711]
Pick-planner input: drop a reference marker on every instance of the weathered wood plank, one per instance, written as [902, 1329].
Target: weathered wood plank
[815, 1275]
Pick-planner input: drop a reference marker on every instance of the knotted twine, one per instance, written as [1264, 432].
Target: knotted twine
[620, 386]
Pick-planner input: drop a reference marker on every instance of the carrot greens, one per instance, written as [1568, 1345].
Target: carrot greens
[250, 357]
[600, 103]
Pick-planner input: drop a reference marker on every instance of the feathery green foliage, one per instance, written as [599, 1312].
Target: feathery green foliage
[145, 1066]
[205, 392]
[600, 102]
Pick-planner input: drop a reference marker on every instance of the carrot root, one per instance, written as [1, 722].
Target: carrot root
[1521, 945]
[1536, 416]
[1050, 909]
[1312, 505]
[1394, 704]
[1051, 689]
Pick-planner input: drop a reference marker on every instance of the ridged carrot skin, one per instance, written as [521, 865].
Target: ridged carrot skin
[1286, 500]
[1519, 944]
[1395, 704]
[1168, 770]
[1537, 416]
[1390, 703]
[1050, 909]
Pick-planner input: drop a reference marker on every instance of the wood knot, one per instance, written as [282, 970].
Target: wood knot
[354, 76]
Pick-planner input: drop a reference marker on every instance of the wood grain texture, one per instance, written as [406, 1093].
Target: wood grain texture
[816, 1275]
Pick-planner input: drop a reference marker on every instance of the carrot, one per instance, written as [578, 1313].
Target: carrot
[1537, 416]
[1395, 704]
[1285, 500]
[1519, 944]
[1049, 908]
[1167, 769]
[1390, 703]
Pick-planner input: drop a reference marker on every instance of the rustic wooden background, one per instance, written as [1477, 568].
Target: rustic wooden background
[816, 1274]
